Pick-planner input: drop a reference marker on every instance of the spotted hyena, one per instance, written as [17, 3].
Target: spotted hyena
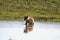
[29, 24]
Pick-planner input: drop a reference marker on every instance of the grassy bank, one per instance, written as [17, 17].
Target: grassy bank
[41, 10]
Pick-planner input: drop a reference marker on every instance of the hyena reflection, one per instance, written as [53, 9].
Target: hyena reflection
[29, 24]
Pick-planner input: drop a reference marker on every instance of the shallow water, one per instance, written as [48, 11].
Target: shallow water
[42, 31]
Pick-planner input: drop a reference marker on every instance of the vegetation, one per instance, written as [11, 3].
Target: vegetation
[41, 10]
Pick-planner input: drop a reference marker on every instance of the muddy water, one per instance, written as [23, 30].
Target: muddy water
[42, 31]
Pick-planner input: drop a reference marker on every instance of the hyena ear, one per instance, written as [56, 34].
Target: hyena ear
[26, 16]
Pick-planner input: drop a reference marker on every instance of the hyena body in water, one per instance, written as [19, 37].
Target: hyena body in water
[29, 24]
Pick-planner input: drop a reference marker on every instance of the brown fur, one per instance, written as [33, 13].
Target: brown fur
[29, 24]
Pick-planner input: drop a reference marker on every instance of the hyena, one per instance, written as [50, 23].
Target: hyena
[29, 23]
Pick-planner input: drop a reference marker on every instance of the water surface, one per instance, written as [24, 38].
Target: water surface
[42, 31]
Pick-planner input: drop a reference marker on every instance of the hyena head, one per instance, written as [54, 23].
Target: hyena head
[25, 17]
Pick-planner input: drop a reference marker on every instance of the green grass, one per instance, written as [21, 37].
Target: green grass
[17, 16]
[41, 10]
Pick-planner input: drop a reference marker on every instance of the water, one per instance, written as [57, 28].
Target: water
[42, 31]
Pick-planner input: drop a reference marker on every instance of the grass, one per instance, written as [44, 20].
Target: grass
[41, 10]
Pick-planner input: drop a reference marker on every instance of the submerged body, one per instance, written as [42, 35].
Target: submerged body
[29, 24]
